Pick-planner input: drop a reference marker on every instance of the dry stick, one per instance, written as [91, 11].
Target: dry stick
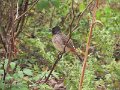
[19, 13]
[4, 75]
[3, 42]
[88, 45]
[71, 23]
[9, 35]
[85, 59]
[21, 20]
[58, 58]
[26, 11]
[81, 14]
[51, 19]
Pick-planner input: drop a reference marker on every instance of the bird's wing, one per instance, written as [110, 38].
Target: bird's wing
[58, 42]
[69, 43]
[61, 40]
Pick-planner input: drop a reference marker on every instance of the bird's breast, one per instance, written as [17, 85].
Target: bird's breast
[59, 44]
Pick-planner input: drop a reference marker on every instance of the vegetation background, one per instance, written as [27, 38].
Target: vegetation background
[27, 53]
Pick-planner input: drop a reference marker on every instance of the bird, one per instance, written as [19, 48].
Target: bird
[62, 42]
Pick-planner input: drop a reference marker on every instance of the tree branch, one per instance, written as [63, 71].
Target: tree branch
[81, 14]
[58, 58]
[26, 11]
[88, 44]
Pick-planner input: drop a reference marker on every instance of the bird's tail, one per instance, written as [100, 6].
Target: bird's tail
[80, 57]
[77, 54]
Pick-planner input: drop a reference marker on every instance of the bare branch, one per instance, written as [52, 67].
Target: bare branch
[17, 11]
[58, 58]
[81, 14]
[88, 44]
[26, 11]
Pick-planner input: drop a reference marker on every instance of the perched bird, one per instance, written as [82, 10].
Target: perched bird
[61, 43]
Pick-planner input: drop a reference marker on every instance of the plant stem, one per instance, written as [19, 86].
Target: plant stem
[88, 44]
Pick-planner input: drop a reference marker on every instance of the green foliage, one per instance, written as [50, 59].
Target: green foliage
[72, 79]
[82, 7]
[37, 54]
[27, 72]
[43, 4]
[55, 3]
[45, 87]
[12, 65]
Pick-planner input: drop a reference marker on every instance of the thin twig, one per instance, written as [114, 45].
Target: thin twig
[21, 22]
[81, 14]
[70, 26]
[26, 11]
[17, 13]
[88, 44]
[3, 43]
[51, 19]
[58, 58]
[4, 75]
[71, 23]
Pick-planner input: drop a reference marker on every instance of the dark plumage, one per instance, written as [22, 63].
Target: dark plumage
[56, 30]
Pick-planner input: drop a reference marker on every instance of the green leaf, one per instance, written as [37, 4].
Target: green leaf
[45, 87]
[56, 3]
[28, 72]
[20, 2]
[55, 74]
[8, 77]
[107, 10]
[2, 85]
[37, 77]
[1, 71]
[43, 4]
[6, 63]
[20, 87]
[12, 65]
[20, 74]
[82, 7]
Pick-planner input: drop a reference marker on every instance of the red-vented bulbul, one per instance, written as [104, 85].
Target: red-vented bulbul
[61, 43]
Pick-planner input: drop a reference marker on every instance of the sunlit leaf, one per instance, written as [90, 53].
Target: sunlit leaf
[28, 72]
[12, 65]
[56, 3]
[20, 74]
[1, 71]
[82, 7]
[43, 4]
[6, 63]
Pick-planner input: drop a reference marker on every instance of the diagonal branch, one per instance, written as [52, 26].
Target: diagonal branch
[81, 14]
[58, 58]
[3, 43]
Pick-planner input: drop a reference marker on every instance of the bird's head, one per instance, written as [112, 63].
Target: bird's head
[56, 30]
